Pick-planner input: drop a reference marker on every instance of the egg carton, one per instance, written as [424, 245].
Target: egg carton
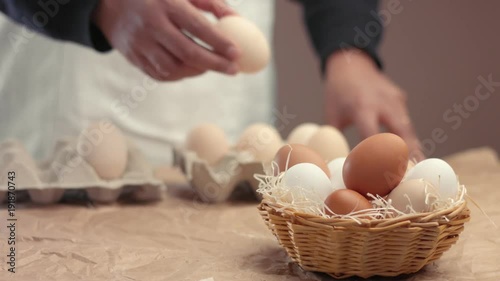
[233, 174]
[47, 181]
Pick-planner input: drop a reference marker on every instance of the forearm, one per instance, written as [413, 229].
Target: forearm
[68, 20]
[337, 25]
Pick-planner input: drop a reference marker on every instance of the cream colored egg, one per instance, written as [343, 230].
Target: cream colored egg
[255, 50]
[104, 147]
[302, 133]
[439, 173]
[329, 142]
[416, 193]
[260, 140]
[209, 142]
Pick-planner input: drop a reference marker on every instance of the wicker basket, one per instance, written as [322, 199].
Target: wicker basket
[343, 248]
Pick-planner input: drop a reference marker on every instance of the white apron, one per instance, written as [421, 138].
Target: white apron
[50, 89]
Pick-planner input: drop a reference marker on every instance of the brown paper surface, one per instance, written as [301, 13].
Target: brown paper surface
[183, 239]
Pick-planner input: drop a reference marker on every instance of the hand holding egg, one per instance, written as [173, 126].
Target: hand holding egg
[253, 45]
[151, 34]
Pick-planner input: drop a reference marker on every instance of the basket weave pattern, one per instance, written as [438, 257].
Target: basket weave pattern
[385, 247]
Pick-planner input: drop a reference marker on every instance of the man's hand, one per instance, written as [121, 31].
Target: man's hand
[149, 33]
[357, 93]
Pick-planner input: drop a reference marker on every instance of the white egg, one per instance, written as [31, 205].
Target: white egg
[302, 133]
[255, 50]
[438, 173]
[307, 181]
[417, 193]
[335, 166]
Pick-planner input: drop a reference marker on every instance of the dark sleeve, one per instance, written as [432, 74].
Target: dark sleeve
[68, 20]
[341, 24]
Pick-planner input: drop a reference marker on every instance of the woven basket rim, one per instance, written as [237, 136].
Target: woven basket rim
[431, 218]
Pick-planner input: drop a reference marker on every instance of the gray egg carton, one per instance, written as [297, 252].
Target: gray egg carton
[47, 181]
[215, 184]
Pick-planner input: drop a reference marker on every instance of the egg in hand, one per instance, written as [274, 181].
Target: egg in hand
[253, 45]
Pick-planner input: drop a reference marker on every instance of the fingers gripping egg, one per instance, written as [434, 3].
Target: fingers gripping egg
[255, 50]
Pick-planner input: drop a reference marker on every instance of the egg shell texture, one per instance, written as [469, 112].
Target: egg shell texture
[104, 147]
[209, 142]
[376, 165]
[346, 201]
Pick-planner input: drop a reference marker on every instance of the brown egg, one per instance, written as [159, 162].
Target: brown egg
[298, 154]
[346, 201]
[376, 165]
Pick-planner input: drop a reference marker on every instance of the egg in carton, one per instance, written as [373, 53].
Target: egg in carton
[216, 169]
[111, 167]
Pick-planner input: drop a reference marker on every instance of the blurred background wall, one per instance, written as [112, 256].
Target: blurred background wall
[435, 50]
